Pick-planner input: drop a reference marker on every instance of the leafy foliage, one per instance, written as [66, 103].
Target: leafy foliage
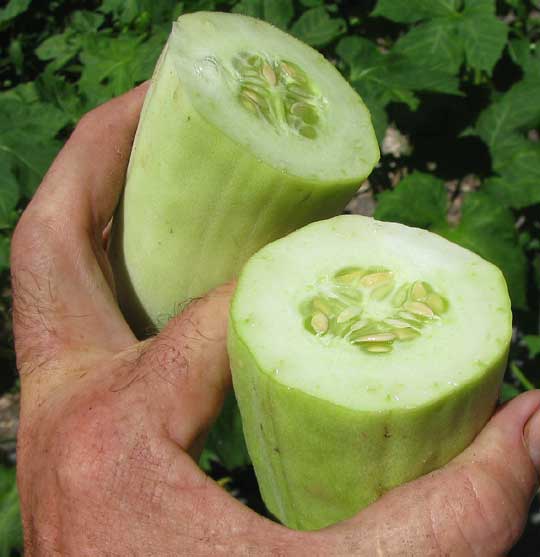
[10, 521]
[459, 78]
[450, 31]
[13, 9]
[317, 28]
[225, 440]
[419, 200]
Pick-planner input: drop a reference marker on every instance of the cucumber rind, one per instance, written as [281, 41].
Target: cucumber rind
[318, 463]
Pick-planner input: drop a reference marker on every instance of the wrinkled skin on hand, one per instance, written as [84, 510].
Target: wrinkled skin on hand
[111, 428]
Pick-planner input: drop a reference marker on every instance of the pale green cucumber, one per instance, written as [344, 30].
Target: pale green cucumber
[364, 354]
[246, 134]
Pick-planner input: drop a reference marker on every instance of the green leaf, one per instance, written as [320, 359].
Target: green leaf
[488, 229]
[278, 12]
[148, 53]
[517, 162]
[123, 10]
[514, 194]
[515, 110]
[508, 392]
[226, 438]
[435, 44]
[117, 7]
[532, 342]
[535, 264]
[131, 12]
[113, 65]
[379, 117]
[366, 65]
[480, 7]
[442, 41]
[387, 77]
[207, 458]
[360, 54]
[60, 49]
[10, 519]
[34, 121]
[4, 252]
[62, 94]
[411, 11]
[16, 55]
[418, 200]
[520, 51]
[317, 28]
[527, 55]
[413, 73]
[24, 92]
[13, 9]
[9, 192]
[521, 377]
[84, 21]
[253, 8]
[27, 132]
[371, 72]
[484, 35]
[311, 3]
[198, 5]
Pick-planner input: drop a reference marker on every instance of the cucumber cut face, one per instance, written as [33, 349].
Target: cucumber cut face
[274, 95]
[364, 354]
[246, 134]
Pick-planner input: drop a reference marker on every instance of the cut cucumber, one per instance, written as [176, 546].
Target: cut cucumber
[364, 354]
[246, 134]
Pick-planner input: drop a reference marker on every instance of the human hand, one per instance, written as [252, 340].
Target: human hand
[111, 428]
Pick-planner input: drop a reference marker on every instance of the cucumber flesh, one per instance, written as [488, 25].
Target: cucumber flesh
[364, 354]
[245, 135]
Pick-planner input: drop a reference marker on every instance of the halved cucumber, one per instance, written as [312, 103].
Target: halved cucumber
[364, 354]
[245, 135]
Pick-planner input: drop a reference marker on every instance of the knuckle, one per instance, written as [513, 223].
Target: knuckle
[87, 124]
[481, 513]
[500, 506]
[33, 232]
[164, 356]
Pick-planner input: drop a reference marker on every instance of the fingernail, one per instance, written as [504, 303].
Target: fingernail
[532, 438]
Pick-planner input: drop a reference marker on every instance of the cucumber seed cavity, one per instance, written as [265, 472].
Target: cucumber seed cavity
[369, 309]
[280, 92]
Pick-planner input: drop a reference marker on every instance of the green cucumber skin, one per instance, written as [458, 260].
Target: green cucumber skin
[318, 463]
[197, 205]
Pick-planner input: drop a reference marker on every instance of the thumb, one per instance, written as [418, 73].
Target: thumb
[190, 368]
[476, 505]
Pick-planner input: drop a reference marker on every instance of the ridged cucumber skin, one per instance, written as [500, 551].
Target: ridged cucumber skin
[196, 205]
[318, 463]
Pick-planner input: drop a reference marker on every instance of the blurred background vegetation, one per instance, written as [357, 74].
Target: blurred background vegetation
[454, 91]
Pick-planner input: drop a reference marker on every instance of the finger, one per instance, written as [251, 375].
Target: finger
[186, 369]
[476, 505]
[61, 278]
[87, 177]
